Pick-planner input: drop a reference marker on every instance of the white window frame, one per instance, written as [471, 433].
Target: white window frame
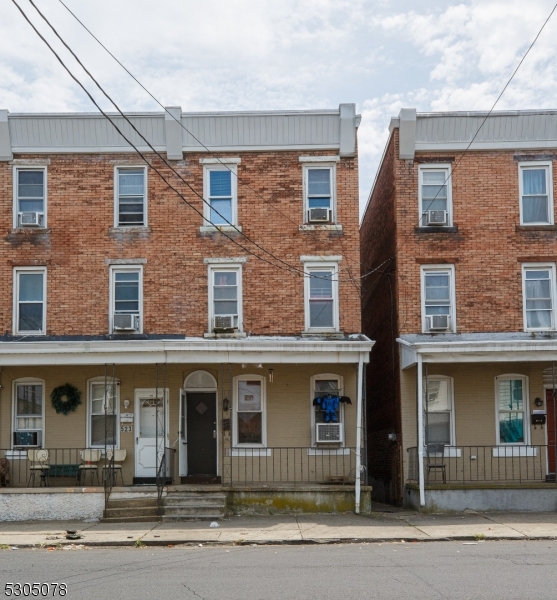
[117, 169]
[327, 376]
[16, 171]
[450, 388]
[227, 164]
[424, 269]
[447, 168]
[329, 163]
[526, 409]
[548, 165]
[15, 310]
[100, 380]
[112, 293]
[311, 268]
[220, 267]
[15, 384]
[534, 267]
[235, 411]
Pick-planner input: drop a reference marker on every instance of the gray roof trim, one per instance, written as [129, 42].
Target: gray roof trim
[511, 145]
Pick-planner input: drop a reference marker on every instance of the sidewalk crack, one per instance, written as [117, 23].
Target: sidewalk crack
[488, 518]
[300, 529]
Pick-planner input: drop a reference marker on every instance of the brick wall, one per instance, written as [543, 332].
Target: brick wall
[80, 237]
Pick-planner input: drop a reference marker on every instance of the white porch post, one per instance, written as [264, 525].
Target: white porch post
[419, 376]
[359, 432]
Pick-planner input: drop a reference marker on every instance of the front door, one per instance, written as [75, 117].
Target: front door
[201, 433]
[550, 427]
[149, 433]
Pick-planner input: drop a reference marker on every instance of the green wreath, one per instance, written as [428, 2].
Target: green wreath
[65, 398]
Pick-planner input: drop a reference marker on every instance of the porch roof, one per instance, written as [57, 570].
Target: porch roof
[88, 350]
[478, 347]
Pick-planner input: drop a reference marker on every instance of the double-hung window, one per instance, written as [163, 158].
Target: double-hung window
[28, 413]
[103, 413]
[30, 197]
[435, 196]
[220, 192]
[126, 303]
[131, 197]
[225, 297]
[512, 409]
[29, 301]
[438, 298]
[249, 411]
[536, 193]
[327, 410]
[538, 282]
[321, 296]
[439, 420]
[319, 185]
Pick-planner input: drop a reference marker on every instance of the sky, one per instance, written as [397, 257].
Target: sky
[294, 54]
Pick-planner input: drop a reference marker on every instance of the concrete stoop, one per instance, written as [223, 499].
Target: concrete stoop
[185, 505]
[131, 510]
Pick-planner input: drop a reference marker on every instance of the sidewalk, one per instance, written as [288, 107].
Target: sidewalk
[290, 529]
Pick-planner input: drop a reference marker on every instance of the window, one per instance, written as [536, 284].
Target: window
[539, 293]
[319, 183]
[30, 197]
[438, 299]
[131, 197]
[439, 420]
[28, 413]
[220, 192]
[435, 195]
[322, 386]
[512, 408]
[225, 298]
[126, 314]
[29, 301]
[321, 297]
[103, 413]
[249, 411]
[536, 193]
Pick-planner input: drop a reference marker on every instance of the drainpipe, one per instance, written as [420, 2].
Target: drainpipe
[359, 433]
[420, 430]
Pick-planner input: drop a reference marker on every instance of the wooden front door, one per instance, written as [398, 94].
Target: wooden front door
[201, 409]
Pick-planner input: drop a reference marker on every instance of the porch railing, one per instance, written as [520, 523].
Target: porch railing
[59, 467]
[490, 464]
[292, 465]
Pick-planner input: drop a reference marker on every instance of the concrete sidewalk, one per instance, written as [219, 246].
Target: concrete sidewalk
[290, 529]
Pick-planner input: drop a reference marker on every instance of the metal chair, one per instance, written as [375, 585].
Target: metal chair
[435, 459]
[39, 464]
[90, 459]
[119, 456]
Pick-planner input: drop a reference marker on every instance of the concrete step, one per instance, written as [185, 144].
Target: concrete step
[131, 502]
[130, 519]
[194, 510]
[138, 511]
[203, 517]
[186, 500]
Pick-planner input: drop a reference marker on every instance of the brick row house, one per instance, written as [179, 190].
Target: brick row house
[460, 234]
[180, 341]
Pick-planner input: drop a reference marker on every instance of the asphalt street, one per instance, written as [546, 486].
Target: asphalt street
[521, 570]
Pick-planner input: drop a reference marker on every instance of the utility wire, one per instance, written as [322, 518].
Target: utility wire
[179, 121]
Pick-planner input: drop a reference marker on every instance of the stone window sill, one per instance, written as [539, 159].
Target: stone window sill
[440, 229]
[531, 228]
[237, 335]
[324, 227]
[216, 228]
[30, 230]
[130, 230]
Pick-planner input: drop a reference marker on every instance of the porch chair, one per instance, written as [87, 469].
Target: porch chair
[39, 464]
[90, 464]
[119, 457]
[4, 472]
[435, 459]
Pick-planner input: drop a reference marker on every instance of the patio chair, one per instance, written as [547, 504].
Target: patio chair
[90, 464]
[116, 467]
[435, 460]
[4, 472]
[40, 465]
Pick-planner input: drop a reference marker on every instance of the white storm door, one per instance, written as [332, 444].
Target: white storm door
[149, 440]
[183, 441]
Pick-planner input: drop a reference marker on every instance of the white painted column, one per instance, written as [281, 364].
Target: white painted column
[359, 399]
[420, 378]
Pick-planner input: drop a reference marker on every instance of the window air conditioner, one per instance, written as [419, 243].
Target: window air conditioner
[27, 439]
[226, 322]
[436, 217]
[30, 219]
[320, 215]
[328, 433]
[438, 322]
[126, 322]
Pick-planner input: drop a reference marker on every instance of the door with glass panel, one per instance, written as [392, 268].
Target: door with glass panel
[151, 416]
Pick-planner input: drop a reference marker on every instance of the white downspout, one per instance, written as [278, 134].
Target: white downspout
[420, 430]
[359, 433]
